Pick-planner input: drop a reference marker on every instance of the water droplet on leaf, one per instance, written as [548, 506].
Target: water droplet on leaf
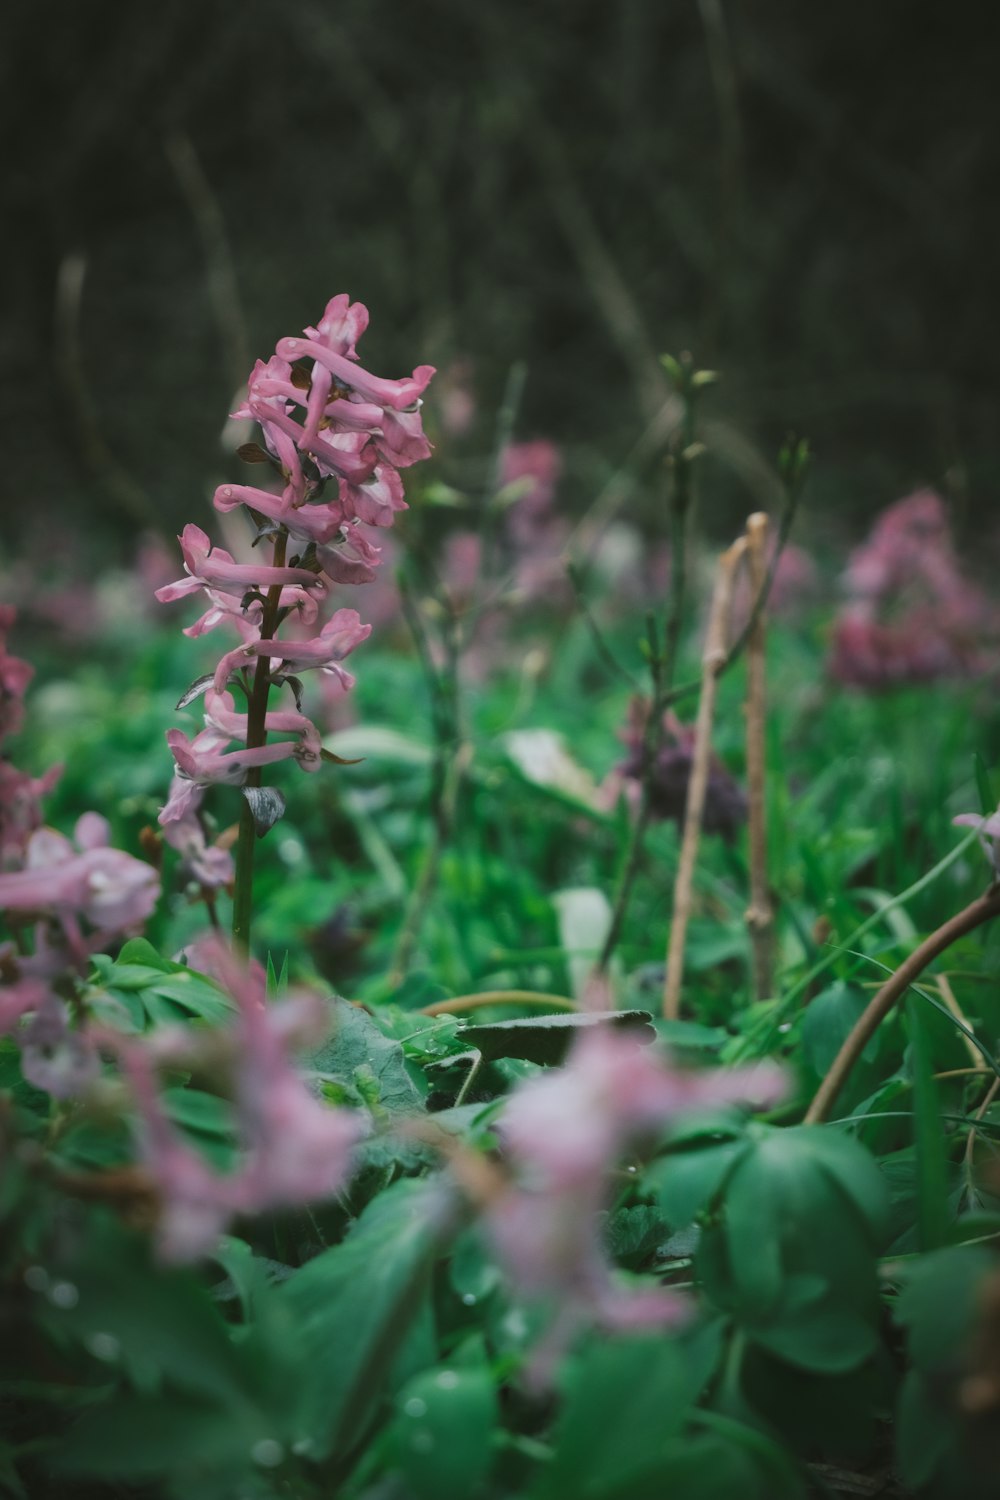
[267, 1453]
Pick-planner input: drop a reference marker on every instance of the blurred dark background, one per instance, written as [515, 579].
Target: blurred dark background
[803, 196]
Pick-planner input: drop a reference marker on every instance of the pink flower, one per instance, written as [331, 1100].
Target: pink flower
[563, 1131]
[296, 1149]
[108, 888]
[201, 761]
[395, 394]
[338, 638]
[313, 523]
[220, 714]
[989, 835]
[216, 569]
[15, 675]
[912, 615]
[209, 864]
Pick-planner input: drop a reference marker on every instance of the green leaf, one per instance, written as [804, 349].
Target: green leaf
[360, 1055]
[625, 1399]
[933, 1213]
[160, 1322]
[827, 1023]
[685, 1182]
[632, 1234]
[441, 1438]
[925, 1431]
[155, 1437]
[546, 1039]
[794, 1256]
[984, 786]
[351, 1307]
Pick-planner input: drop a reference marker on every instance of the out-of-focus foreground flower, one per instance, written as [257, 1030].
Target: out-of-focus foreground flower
[563, 1132]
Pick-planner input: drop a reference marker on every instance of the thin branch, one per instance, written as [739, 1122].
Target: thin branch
[795, 483]
[715, 655]
[497, 997]
[759, 916]
[982, 910]
[601, 646]
[948, 996]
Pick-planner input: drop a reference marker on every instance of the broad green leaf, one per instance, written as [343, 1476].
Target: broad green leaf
[546, 1039]
[794, 1255]
[359, 1055]
[441, 1437]
[351, 1307]
[685, 1182]
[632, 1234]
[158, 1321]
[933, 1213]
[827, 1023]
[626, 1398]
[156, 1437]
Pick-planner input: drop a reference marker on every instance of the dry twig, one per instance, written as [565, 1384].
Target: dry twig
[712, 662]
[759, 916]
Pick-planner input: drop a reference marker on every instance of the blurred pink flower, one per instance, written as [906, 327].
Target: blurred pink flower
[108, 888]
[989, 835]
[295, 1148]
[912, 615]
[563, 1131]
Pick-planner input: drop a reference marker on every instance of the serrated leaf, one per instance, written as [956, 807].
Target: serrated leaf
[358, 1043]
[546, 1039]
[632, 1234]
[267, 806]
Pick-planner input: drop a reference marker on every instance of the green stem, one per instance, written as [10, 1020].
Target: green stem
[256, 736]
[662, 663]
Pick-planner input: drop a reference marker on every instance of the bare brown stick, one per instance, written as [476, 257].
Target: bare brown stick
[983, 909]
[948, 996]
[712, 661]
[497, 997]
[759, 916]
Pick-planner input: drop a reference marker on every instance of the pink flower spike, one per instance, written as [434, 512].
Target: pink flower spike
[209, 865]
[398, 394]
